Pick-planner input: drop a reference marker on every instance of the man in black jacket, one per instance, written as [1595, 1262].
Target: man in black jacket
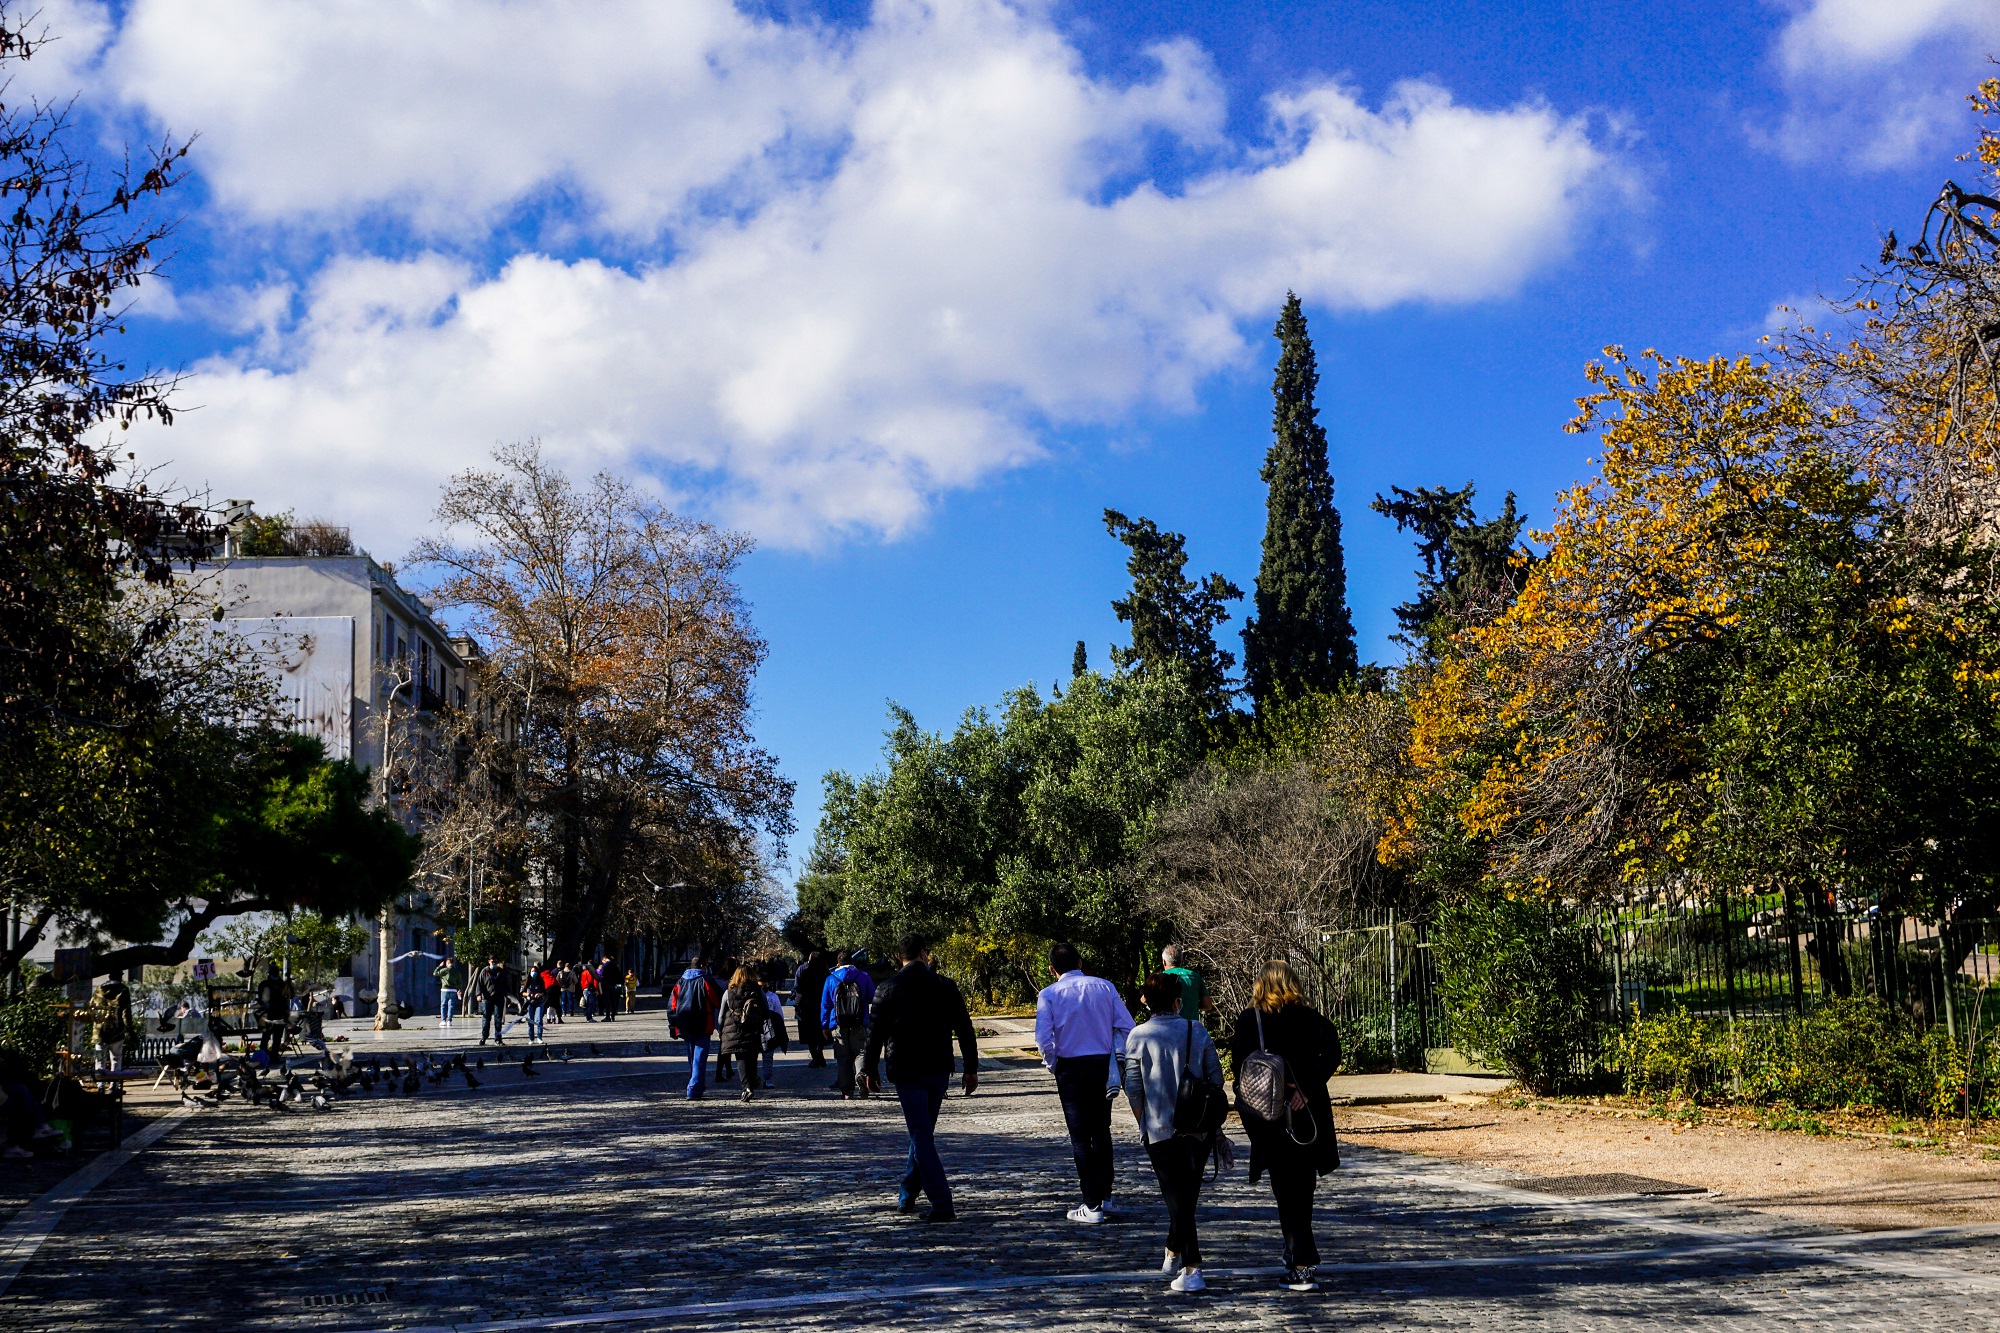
[496, 984]
[917, 1014]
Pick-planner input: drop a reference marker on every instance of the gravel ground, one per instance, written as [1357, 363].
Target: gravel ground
[1864, 1184]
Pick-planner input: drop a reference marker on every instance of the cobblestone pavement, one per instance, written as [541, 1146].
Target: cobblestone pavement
[594, 1195]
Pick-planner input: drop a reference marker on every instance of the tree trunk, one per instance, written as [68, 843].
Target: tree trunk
[386, 1018]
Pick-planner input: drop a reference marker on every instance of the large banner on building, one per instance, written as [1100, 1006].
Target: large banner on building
[312, 659]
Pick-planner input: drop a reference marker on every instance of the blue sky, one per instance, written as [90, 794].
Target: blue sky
[913, 292]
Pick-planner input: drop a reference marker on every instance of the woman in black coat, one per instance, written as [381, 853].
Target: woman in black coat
[1298, 1148]
[745, 1014]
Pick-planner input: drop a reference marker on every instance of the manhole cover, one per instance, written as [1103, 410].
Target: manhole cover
[1604, 1183]
[371, 1296]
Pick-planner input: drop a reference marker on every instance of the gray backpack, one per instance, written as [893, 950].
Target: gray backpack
[1264, 1086]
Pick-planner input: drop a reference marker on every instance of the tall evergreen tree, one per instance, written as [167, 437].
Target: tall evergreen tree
[1469, 572]
[1079, 661]
[1301, 640]
[1172, 619]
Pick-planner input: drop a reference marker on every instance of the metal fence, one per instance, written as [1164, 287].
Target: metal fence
[1744, 957]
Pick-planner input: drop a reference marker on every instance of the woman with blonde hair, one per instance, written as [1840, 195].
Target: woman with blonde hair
[1283, 1052]
[745, 1015]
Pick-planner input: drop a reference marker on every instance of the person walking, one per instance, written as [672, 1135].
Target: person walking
[534, 1002]
[917, 1015]
[631, 991]
[607, 990]
[745, 1016]
[586, 982]
[274, 1008]
[775, 1038]
[496, 983]
[450, 976]
[110, 1024]
[1195, 999]
[1162, 1053]
[569, 987]
[1291, 1134]
[843, 1010]
[806, 989]
[1080, 1026]
[691, 1012]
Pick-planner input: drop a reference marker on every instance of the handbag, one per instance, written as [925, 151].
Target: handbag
[1200, 1107]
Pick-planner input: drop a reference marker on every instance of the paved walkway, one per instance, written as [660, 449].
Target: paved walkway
[593, 1195]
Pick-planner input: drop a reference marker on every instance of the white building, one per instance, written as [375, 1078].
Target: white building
[341, 634]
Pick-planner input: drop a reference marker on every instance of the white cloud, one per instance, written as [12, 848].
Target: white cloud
[1879, 84]
[858, 330]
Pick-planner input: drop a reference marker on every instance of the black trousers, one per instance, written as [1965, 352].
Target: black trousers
[492, 1018]
[1081, 1081]
[848, 1044]
[272, 1038]
[1292, 1185]
[813, 1038]
[1179, 1163]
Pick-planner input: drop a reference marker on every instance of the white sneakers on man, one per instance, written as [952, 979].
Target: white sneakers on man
[1172, 1264]
[1189, 1280]
[1083, 1212]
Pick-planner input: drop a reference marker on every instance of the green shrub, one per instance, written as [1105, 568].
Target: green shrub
[34, 1027]
[1677, 1055]
[1518, 980]
[474, 944]
[1845, 1053]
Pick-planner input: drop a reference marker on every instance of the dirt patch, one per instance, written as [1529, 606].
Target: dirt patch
[1838, 1179]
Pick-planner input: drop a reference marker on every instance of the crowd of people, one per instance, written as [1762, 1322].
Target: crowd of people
[901, 1032]
[552, 990]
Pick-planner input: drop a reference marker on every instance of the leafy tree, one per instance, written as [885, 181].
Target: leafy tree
[1173, 620]
[1020, 827]
[1471, 569]
[619, 644]
[1301, 639]
[312, 946]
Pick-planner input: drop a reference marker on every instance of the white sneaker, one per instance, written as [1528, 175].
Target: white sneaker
[1083, 1212]
[1172, 1264]
[1189, 1280]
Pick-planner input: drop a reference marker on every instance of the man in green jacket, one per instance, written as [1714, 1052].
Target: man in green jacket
[450, 975]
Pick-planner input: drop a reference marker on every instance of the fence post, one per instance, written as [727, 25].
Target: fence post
[1729, 954]
[1798, 974]
[1395, 1051]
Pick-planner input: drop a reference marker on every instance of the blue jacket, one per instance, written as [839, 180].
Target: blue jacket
[832, 988]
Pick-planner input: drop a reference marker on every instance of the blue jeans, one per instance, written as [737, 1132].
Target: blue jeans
[770, 1058]
[921, 1098]
[447, 1004]
[537, 1016]
[697, 1068]
[590, 1006]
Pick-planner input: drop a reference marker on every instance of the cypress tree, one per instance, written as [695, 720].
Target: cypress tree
[1301, 639]
[1079, 661]
[1173, 618]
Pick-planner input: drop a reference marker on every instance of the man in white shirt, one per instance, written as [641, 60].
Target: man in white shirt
[1080, 1027]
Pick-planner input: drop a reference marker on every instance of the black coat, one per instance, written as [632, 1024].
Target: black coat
[916, 1016]
[736, 1036]
[1311, 1050]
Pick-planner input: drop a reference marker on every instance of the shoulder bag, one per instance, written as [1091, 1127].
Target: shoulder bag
[1200, 1107]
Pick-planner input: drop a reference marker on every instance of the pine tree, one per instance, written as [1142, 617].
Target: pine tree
[1079, 661]
[1172, 619]
[1301, 640]
[1469, 571]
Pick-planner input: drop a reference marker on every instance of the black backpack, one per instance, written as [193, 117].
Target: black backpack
[849, 1009]
[691, 1009]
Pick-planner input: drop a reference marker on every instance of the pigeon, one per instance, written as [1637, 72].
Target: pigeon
[528, 1065]
[481, 1060]
[411, 1081]
[593, 1049]
[649, 1048]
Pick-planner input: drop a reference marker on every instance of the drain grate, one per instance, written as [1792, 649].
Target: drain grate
[1604, 1184]
[369, 1296]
